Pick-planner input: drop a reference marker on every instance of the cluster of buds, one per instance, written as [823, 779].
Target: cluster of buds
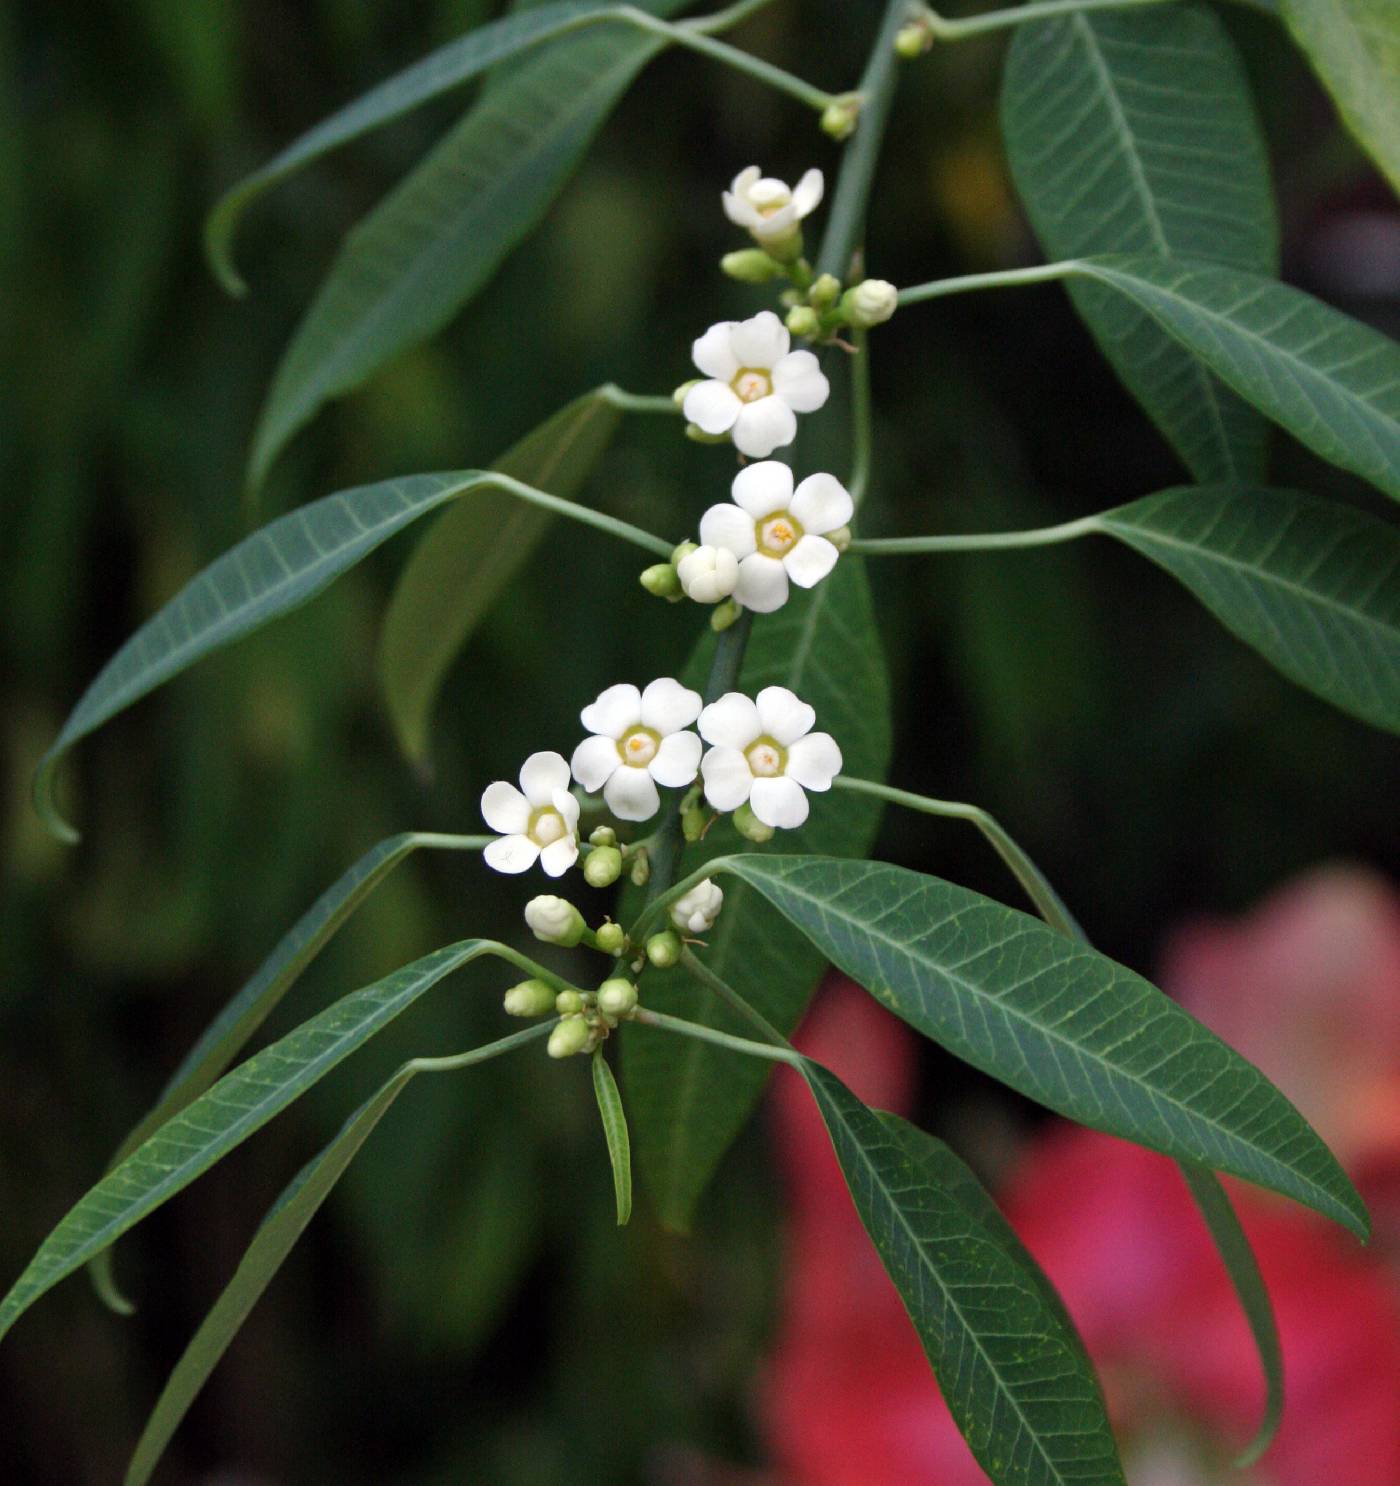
[586, 1018]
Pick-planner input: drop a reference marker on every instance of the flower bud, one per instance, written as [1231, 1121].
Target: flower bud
[841, 115]
[913, 40]
[603, 866]
[697, 435]
[554, 920]
[750, 827]
[661, 581]
[786, 247]
[611, 938]
[696, 911]
[840, 538]
[708, 574]
[692, 823]
[824, 292]
[681, 551]
[617, 998]
[571, 1036]
[803, 320]
[790, 297]
[641, 869]
[602, 836]
[568, 1003]
[870, 303]
[664, 949]
[529, 998]
[750, 266]
[724, 615]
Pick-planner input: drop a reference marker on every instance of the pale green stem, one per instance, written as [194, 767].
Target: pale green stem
[1037, 886]
[1039, 10]
[861, 418]
[1007, 278]
[437, 842]
[638, 402]
[1042, 536]
[731, 998]
[589, 517]
[666, 1023]
[479, 1054]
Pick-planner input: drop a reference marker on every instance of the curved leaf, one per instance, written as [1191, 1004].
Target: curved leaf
[1013, 1374]
[1134, 131]
[469, 556]
[1054, 1019]
[614, 1119]
[1314, 587]
[1332, 382]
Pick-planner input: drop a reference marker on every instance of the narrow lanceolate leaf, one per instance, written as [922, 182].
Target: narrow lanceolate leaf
[239, 1104]
[1054, 1019]
[1355, 47]
[437, 238]
[689, 1100]
[1013, 1373]
[1332, 382]
[1313, 586]
[448, 67]
[1134, 132]
[614, 1119]
[469, 556]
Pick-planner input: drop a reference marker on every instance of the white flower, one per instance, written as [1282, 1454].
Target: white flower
[695, 912]
[554, 920]
[766, 207]
[708, 574]
[756, 385]
[765, 752]
[539, 820]
[639, 742]
[776, 532]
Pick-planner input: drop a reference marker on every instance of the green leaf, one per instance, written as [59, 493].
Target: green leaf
[1355, 47]
[237, 1106]
[1134, 132]
[1311, 585]
[437, 238]
[470, 555]
[615, 1129]
[1332, 382]
[689, 1100]
[1013, 1374]
[1054, 1019]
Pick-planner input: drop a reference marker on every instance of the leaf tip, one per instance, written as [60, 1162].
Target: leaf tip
[218, 249]
[45, 807]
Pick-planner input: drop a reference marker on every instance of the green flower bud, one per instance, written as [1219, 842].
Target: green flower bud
[641, 870]
[603, 866]
[692, 823]
[617, 998]
[554, 921]
[681, 551]
[724, 615]
[841, 115]
[697, 435]
[602, 836]
[749, 826]
[840, 538]
[785, 249]
[803, 320]
[571, 1036]
[870, 303]
[824, 292]
[529, 998]
[611, 938]
[664, 949]
[750, 266]
[788, 298]
[662, 581]
[913, 41]
[679, 395]
[568, 1003]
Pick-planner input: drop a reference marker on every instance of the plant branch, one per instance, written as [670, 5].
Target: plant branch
[1044, 536]
[575, 512]
[1006, 278]
[862, 439]
[694, 1030]
[638, 402]
[999, 20]
[731, 998]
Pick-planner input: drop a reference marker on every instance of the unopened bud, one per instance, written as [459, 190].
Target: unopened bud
[602, 836]
[870, 303]
[568, 1003]
[913, 41]
[571, 1036]
[696, 911]
[603, 866]
[786, 247]
[661, 580]
[708, 574]
[697, 435]
[681, 551]
[803, 320]
[529, 998]
[841, 115]
[750, 827]
[641, 870]
[617, 997]
[750, 266]
[790, 297]
[724, 614]
[681, 392]
[664, 949]
[840, 538]
[611, 938]
[692, 823]
[554, 921]
[825, 291]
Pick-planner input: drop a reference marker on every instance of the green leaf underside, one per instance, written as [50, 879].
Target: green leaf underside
[238, 1105]
[1053, 1019]
[614, 1120]
[1014, 1375]
[470, 554]
[689, 1100]
[1355, 47]
[1135, 132]
[440, 235]
[1313, 586]
[1332, 382]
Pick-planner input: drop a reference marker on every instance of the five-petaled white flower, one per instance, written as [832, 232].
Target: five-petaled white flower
[695, 912]
[776, 532]
[640, 741]
[539, 821]
[767, 207]
[757, 385]
[765, 752]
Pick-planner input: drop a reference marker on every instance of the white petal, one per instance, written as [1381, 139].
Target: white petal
[799, 381]
[740, 211]
[594, 759]
[807, 194]
[762, 426]
[779, 802]
[822, 503]
[810, 561]
[728, 526]
[783, 715]
[708, 574]
[511, 853]
[567, 807]
[731, 722]
[743, 183]
[712, 406]
[760, 342]
[760, 489]
[541, 775]
[774, 224]
[727, 776]
[668, 706]
[676, 761]
[769, 191]
[814, 761]
[615, 710]
[631, 794]
[559, 856]
[762, 585]
[714, 354]
[504, 808]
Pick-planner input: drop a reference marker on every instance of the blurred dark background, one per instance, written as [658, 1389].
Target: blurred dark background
[464, 1309]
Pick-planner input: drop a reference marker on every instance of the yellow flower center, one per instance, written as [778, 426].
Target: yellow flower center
[777, 534]
[637, 746]
[767, 758]
[547, 826]
[750, 383]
